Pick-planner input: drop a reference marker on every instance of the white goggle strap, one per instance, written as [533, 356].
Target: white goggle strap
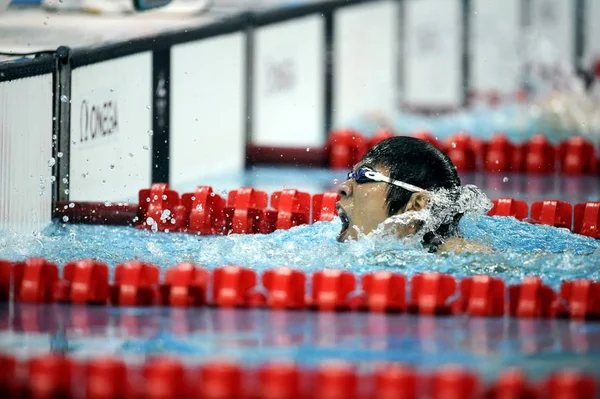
[379, 177]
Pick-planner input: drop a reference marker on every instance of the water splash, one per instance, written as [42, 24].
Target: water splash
[442, 207]
[521, 249]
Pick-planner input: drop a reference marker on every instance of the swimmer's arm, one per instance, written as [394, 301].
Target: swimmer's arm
[459, 245]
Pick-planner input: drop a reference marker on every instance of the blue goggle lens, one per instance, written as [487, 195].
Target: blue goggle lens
[359, 176]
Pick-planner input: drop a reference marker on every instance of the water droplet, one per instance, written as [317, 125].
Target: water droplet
[149, 221]
[51, 162]
[112, 166]
[108, 203]
[112, 90]
[52, 179]
[60, 155]
[453, 145]
[84, 175]
[307, 149]
[165, 215]
[54, 137]
[71, 205]
[131, 155]
[505, 179]
[64, 98]
[164, 196]
[145, 147]
[150, 132]
[147, 107]
[65, 218]
[67, 191]
[65, 180]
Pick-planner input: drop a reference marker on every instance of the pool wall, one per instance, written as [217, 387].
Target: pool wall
[254, 87]
[26, 127]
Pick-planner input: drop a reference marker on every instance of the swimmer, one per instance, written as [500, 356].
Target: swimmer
[396, 177]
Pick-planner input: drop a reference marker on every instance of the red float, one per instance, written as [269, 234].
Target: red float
[346, 148]
[324, 207]
[6, 272]
[540, 155]
[86, 282]
[462, 153]
[160, 209]
[206, 211]
[244, 207]
[185, 285]
[430, 293]
[531, 299]
[35, 281]
[582, 298]
[330, 289]
[552, 213]
[136, 284]
[482, 296]
[509, 207]
[285, 287]
[232, 286]
[385, 292]
[587, 219]
[293, 208]
[577, 157]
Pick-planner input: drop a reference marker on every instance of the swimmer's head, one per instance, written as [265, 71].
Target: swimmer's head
[406, 170]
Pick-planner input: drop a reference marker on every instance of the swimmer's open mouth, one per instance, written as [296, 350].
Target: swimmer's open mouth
[345, 222]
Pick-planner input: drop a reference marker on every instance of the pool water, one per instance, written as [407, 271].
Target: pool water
[520, 249]
[488, 346]
[252, 337]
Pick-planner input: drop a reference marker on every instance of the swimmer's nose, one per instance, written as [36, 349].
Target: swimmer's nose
[345, 190]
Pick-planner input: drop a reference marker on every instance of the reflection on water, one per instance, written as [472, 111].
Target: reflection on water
[487, 345]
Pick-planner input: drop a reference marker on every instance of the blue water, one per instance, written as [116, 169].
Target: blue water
[252, 337]
[521, 249]
[487, 346]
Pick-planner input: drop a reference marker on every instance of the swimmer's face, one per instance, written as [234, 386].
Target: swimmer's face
[362, 207]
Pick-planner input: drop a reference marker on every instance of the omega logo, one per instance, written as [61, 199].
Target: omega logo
[97, 120]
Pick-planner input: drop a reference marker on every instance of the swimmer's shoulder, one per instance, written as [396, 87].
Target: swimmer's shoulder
[460, 245]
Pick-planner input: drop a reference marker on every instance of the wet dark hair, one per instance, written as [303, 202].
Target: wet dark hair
[422, 164]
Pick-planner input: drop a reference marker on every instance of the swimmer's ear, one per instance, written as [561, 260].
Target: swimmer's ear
[417, 202]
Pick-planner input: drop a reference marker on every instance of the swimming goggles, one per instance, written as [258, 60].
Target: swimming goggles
[366, 175]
